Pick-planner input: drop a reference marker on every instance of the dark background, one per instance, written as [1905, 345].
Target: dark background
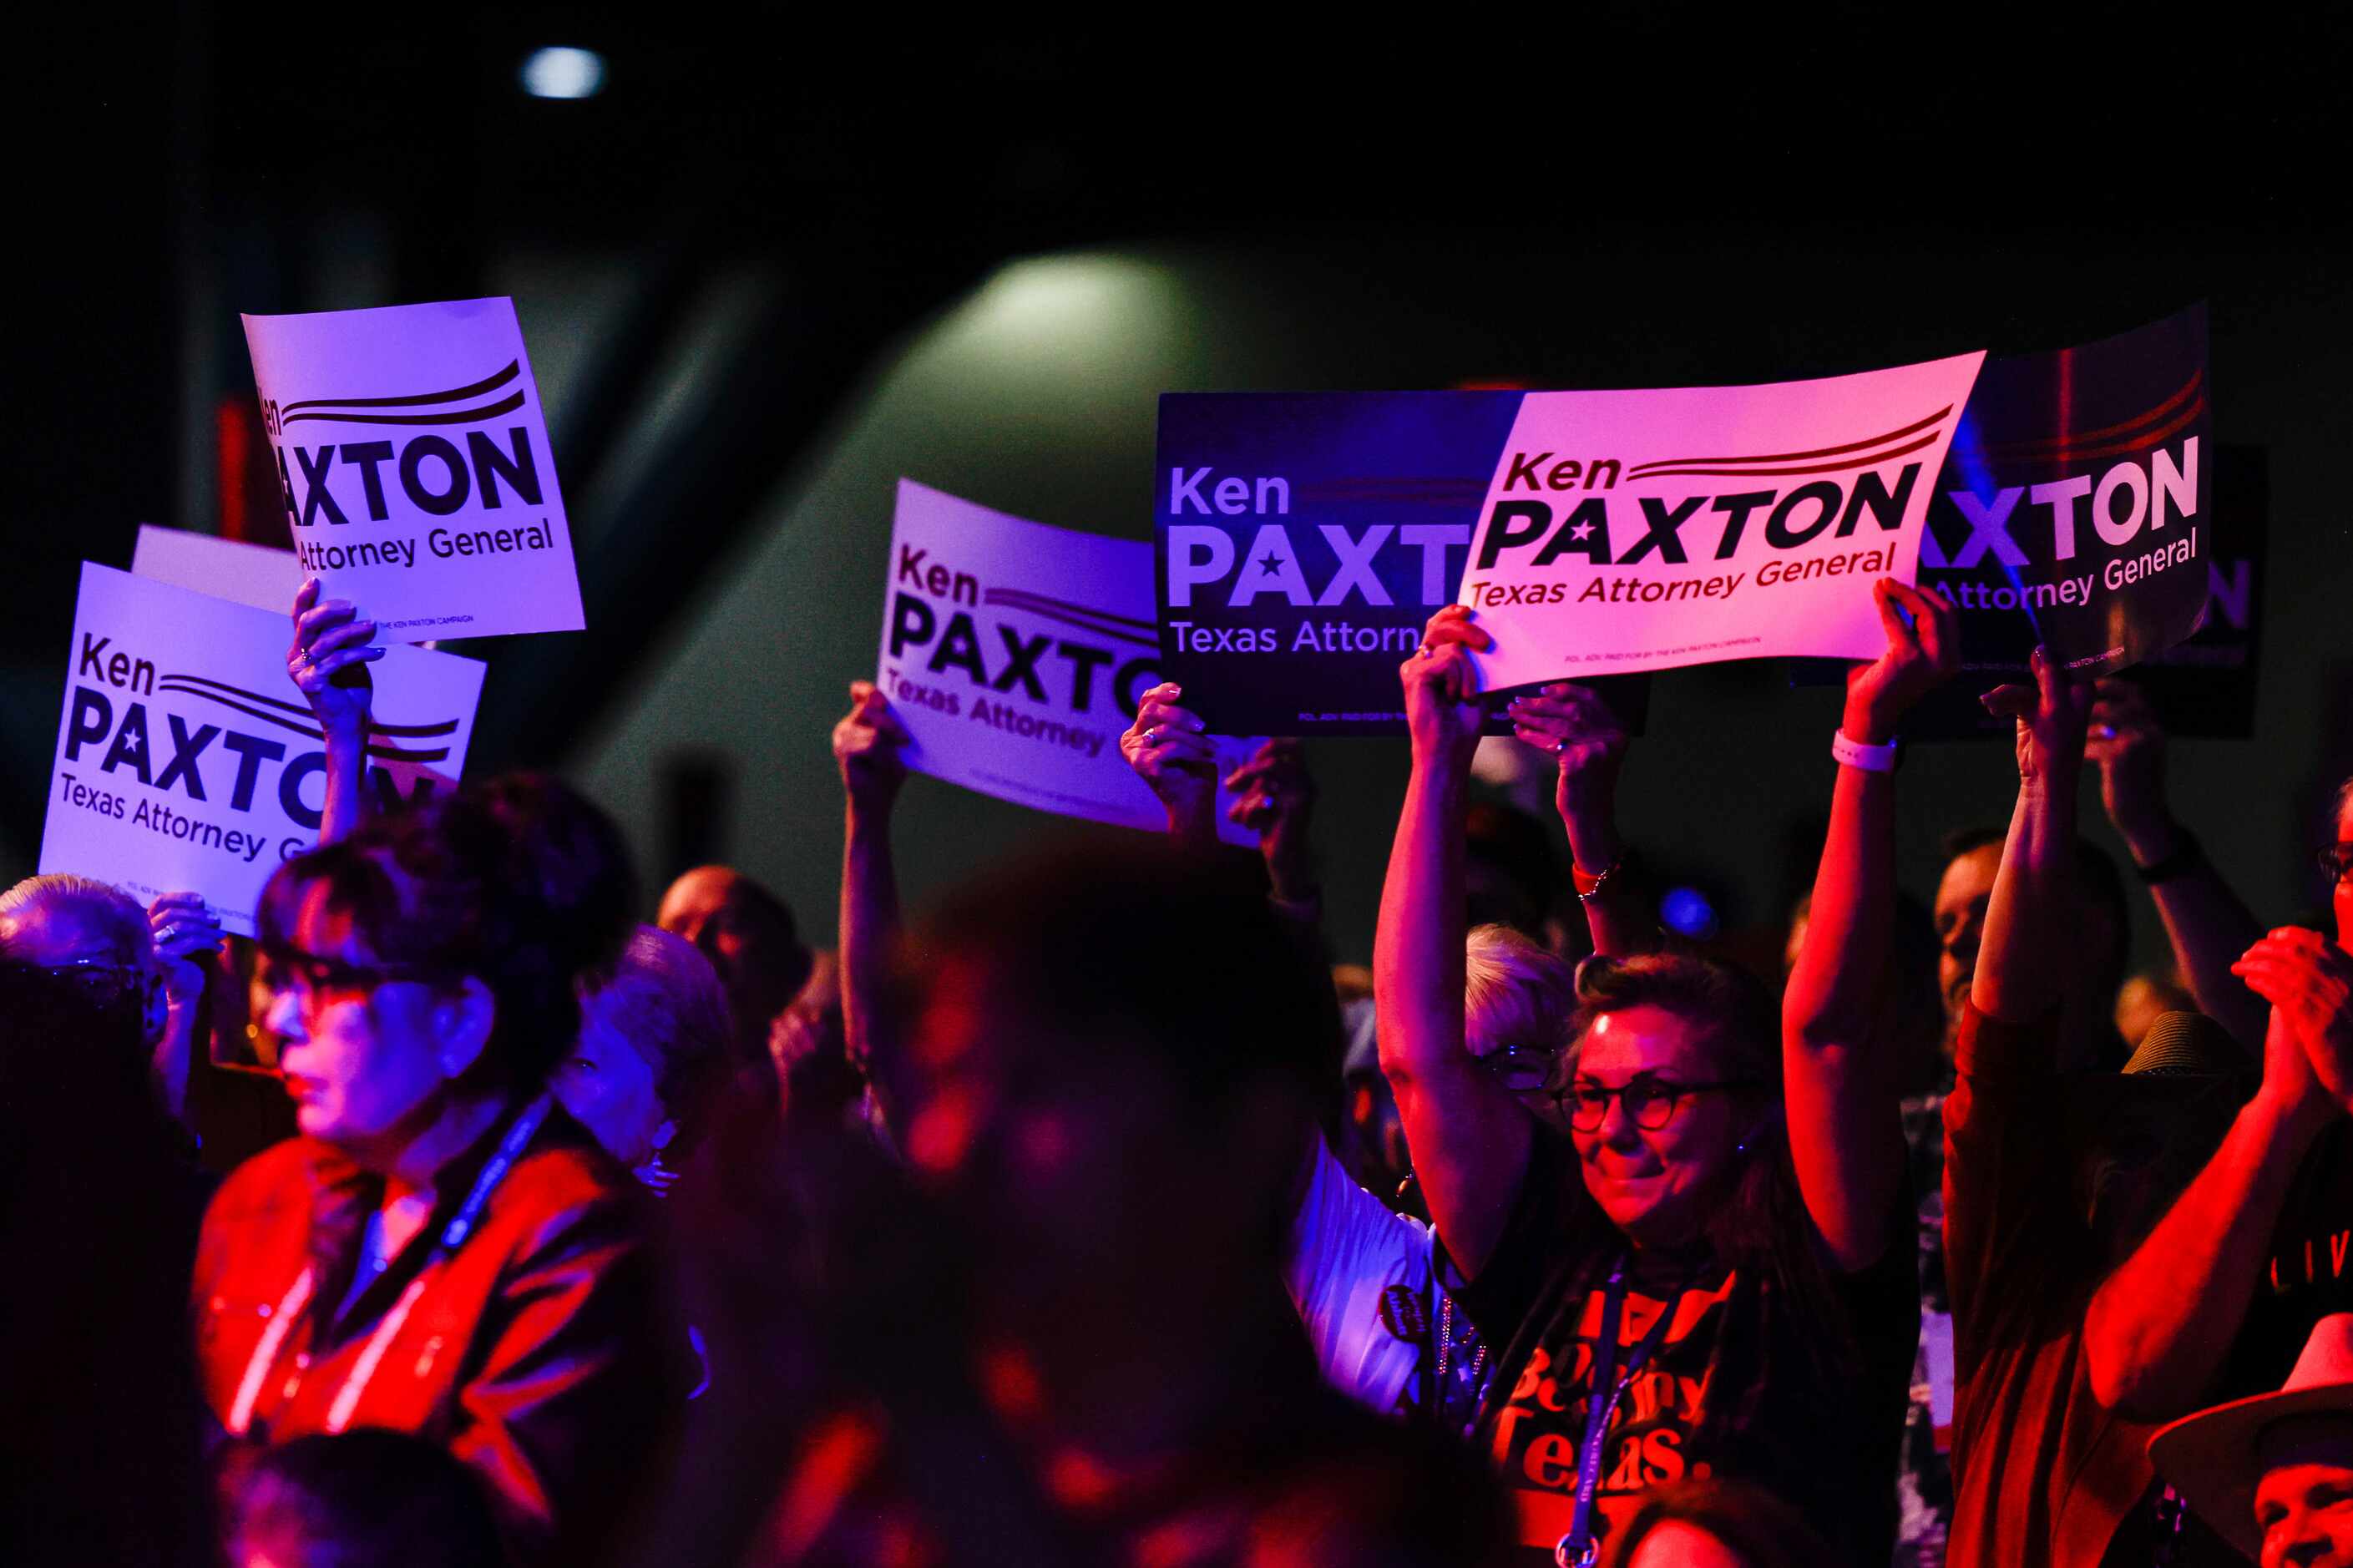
[774, 265]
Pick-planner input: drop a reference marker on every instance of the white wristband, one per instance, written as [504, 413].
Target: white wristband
[1855, 754]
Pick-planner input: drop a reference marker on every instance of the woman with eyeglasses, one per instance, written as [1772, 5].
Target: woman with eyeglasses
[443, 1250]
[1714, 1278]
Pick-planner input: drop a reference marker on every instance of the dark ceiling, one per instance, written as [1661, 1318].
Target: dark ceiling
[881, 164]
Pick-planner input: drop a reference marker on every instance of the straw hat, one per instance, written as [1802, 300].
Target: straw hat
[2211, 1458]
[2188, 1045]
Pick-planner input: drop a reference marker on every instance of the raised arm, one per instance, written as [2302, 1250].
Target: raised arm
[1274, 794]
[186, 932]
[1577, 728]
[2161, 1326]
[1169, 748]
[328, 663]
[2022, 956]
[1470, 1138]
[2207, 925]
[2006, 1146]
[1840, 1084]
[1274, 797]
[866, 747]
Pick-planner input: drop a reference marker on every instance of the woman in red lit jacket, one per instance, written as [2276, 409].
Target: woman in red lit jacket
[443, 1250]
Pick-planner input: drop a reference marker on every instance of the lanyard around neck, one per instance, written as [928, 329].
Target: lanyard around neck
[1578, 1549]
[298, 1294]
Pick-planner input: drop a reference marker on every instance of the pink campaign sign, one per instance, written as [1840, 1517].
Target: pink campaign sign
[1643, 530]
[413, 456]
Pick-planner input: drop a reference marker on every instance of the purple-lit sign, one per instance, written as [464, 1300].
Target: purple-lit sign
[1015, 654]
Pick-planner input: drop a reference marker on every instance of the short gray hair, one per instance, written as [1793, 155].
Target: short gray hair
[104, 904]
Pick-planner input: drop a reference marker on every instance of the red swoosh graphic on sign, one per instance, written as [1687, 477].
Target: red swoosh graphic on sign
[1640, 470]
[1023, 597]
[454, 394]
[2084, 437]
[2141, 443]
[1100, 622]
[375, 726]
[388, 754]
[453, 416]
[1867, 461]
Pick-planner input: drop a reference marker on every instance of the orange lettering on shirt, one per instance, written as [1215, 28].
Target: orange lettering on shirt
[1651, 1390]
[1663, 1453]
[1537, 1362]
[1626, 1474]
[1551, 1461]
[2336, 1245]
[1640, 1313]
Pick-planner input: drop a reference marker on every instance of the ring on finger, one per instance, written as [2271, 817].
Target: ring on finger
[1422, 652]
[1152, 736]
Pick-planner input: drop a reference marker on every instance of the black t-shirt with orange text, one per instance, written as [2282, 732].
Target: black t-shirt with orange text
[1738, 1385]
[2307, 1271]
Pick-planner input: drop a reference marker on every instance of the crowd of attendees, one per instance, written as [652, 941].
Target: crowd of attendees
[1101, 1216]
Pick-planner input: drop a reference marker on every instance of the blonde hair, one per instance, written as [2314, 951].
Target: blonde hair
[102, 903]
[1514, 993]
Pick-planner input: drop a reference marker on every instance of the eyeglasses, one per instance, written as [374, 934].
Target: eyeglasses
[1518, 1068]
[290, 968]
[1649, 1101]
[2336, 859]
[99, 982]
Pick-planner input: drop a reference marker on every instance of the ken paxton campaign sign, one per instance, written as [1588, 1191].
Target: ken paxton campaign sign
[1305, 539]
[188, 762]
[1015, 655]
[413, 460]
[1642, 530]
[2075, 509]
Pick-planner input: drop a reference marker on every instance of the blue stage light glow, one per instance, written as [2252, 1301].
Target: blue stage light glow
[563, 73]
[1687, 910]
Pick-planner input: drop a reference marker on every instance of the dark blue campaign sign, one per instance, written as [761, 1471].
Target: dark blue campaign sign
[2207, 686]
[2076, 509]
[1304, 540]
[2204, 686]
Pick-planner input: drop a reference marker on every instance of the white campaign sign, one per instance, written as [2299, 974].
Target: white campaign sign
[1014, 654]
[413, 455]
[252, 574]
[187, 760]
[1642, 530]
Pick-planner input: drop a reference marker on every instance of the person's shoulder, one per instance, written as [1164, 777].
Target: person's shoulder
[565, 1188]
[280, 1176]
